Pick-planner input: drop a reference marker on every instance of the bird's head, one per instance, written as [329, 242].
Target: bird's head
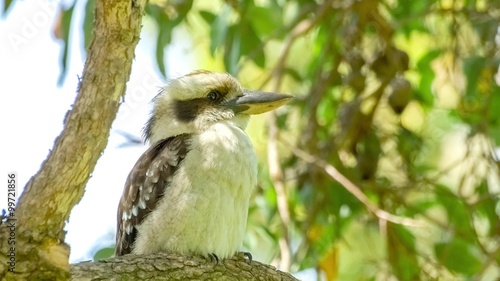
[192, 103]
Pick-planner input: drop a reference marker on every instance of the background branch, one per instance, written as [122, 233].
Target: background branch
[354, 190]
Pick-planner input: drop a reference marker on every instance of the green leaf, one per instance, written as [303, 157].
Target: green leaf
[66, 18]
[494, 117]
[485, 27]
[164, 38]
[104, 253]
[458, 256]
[242, 41]
[424, 92]
[340, 198]
[406, 11]
[326, 111]
[472, 68]
[88, 23]
[282, 121]
[182, 7]
[7, 4]
[422, 206]
[293, 73]
[409, 145]
[266, 20]
[208, 16]
[166, 25]
[219, 29]
[402, 252]
[164, 33]
[232, 51]
[456, 211]
[487, 206]
[497, 257]
[239, 40]
[251, 45]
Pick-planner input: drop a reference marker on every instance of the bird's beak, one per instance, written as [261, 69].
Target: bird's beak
[256, 102]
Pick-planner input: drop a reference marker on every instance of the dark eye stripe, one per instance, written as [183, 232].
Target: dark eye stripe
[187, 110]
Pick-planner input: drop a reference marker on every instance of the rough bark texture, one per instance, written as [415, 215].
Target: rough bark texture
[175, 267]
[45, 205]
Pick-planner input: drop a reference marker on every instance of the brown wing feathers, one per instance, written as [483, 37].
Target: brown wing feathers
[145, 185]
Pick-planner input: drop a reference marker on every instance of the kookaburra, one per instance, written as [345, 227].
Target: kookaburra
[189, 192]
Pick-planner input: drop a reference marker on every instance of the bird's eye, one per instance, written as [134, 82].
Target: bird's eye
[214, 95]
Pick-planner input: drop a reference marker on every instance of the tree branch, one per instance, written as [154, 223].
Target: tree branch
[175, 267]
[51, 194]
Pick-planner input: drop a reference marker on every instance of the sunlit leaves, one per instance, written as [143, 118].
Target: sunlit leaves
[167, 16]
[236, 41]
[219, 26]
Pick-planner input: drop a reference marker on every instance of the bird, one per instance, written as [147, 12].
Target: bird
[189, 192]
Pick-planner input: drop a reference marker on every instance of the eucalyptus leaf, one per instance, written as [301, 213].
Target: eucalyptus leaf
[66, 19]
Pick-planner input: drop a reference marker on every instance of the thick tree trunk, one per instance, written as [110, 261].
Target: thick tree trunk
[39, 250]
[175, 267]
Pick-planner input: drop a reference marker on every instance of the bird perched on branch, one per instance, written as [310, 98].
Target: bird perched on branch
[189, 192]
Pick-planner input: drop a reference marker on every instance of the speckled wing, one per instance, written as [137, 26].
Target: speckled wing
[145, 185]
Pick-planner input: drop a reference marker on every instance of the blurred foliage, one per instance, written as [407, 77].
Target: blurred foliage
[400, 96]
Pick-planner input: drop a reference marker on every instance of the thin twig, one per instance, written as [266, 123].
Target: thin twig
[275, 171]
[276, 175]
[354, 190]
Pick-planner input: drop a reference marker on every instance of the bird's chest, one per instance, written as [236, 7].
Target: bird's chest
[217, 175]
[226, 156]
[204, 209]
[220, 172]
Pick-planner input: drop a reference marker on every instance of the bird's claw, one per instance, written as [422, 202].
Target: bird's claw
[213, 257]
[245, 255]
